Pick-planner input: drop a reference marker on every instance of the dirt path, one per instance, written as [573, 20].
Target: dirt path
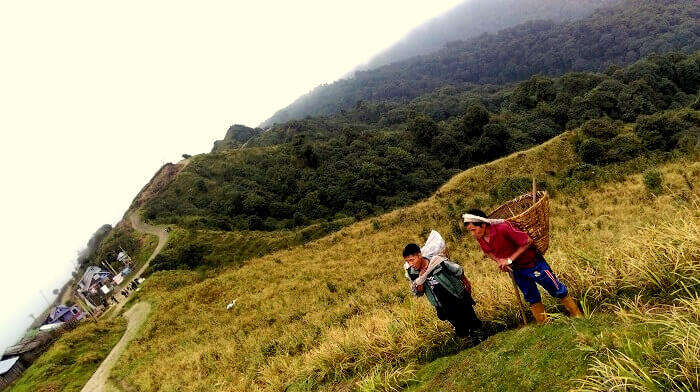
[139, 225]
[135, 316]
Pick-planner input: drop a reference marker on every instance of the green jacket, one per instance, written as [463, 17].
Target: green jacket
[448, 274]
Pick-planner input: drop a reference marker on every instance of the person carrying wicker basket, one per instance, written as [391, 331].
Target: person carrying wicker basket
[512, 250]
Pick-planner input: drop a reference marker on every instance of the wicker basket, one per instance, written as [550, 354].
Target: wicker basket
[530, 217]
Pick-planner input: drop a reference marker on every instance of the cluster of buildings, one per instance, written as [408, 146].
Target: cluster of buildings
[20, 356]
[93, 288]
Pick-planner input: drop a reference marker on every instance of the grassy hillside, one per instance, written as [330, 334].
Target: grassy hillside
[72, 359]
[334, 313]
[213, 249]
[138, 245]
[640, 348]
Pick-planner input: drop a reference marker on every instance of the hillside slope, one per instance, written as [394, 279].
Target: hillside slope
[381, 156]
[336, 314]
[619, 34]
[331, 313]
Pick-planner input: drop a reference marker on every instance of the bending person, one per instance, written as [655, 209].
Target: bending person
[512, 250]
[444, 284]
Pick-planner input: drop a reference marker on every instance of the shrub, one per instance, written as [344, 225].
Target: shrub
[596, 141]
[591, 151]
[623, 147]
[657, 131]
[601, 128]
[653, 181]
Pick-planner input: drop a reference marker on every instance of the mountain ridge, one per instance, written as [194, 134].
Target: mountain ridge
[616, 35]
[473, 18]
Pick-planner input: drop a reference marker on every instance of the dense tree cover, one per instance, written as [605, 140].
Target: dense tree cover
[120, 238]
[619, 34]
[333, 167]
[603, 141]
[475, 17]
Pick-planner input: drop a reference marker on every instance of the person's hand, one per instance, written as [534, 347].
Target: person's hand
[504, 265]
[418, 288]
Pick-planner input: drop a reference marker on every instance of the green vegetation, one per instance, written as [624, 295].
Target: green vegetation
[354, 165]
[72, 359]
[665, 358]
[275, 220]
[336, 312]
[643, 348]
[533, 358]
[210, 249]
[138, 245]
[620, 34]
[236, 136]
[653, 181]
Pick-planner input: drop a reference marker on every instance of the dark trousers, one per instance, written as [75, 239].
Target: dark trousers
[460, 313]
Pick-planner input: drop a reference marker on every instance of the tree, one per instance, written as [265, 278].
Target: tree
[472, 124]
[658, 131]
[534, 90]
[423, 129]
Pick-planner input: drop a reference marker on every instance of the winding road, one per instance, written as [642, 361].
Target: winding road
[135, 316]
[139, 225]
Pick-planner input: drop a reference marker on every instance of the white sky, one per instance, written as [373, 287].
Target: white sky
[95, 96]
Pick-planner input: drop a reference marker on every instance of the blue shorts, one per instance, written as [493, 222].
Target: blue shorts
[527, 280]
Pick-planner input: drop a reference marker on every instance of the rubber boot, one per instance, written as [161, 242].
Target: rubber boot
[571, 306]
[537, 310]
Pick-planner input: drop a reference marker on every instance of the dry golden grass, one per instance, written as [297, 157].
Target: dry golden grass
[337, 310]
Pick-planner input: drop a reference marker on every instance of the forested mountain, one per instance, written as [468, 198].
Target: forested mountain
[354, 165]
[619, 34]
[475, 17]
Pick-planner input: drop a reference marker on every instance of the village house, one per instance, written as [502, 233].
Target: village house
[93, 286]
[10, 370]
[92, 279]
[64, 314]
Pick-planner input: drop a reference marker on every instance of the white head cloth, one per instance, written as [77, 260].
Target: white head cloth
[476, 219]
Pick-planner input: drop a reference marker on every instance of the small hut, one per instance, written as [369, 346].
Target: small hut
[10, 370]
[29, 349]
[64, 314]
